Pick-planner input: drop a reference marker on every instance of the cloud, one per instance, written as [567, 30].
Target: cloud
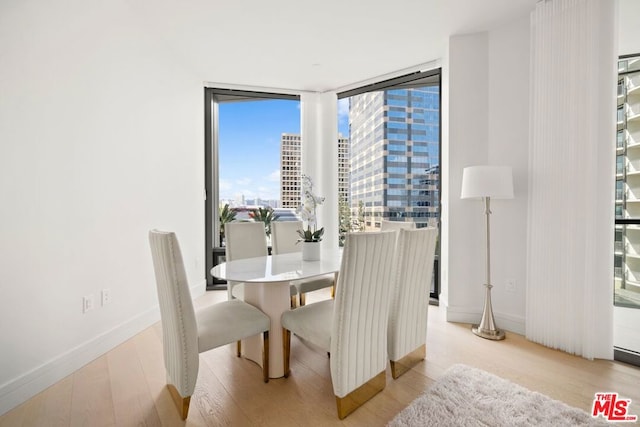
[224, 185]
[263, 192]
[269, 193]
[274, 176]
[265, 187]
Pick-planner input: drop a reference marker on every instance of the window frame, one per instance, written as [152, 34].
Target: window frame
[409, 81]
[213, 96]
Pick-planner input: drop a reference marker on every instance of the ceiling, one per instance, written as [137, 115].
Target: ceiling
[300, 45]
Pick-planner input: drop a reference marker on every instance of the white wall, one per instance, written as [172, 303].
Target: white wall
[488, 84]
[629, 30]
[509, 145]
[463, 272]
[101, 135]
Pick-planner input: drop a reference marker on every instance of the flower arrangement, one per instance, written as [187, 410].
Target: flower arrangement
[307, 211]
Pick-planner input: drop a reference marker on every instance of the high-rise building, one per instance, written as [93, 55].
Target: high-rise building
[395, 153]
[343, 169]
[290, 170]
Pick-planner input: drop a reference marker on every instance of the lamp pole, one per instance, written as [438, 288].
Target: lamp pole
[487, 327]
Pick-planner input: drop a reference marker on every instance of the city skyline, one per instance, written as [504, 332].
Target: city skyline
[249, 145]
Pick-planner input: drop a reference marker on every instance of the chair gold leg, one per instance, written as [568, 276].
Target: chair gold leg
[286, 350]
[335, 283]
[303, 299]
[265, 356]
[359, 396]
[294, 301]
[402, 365]
[182, 403]
[239, 348]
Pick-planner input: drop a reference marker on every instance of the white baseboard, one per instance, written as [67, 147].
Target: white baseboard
[27, 385]
[507, 322]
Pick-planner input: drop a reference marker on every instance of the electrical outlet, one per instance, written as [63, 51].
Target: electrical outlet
[87, 303]
[106, 296]
[510, 286]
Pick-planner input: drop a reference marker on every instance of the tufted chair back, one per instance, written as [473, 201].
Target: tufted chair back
[407, 328]
[243, 240]
[179, 327]
[284, 237]
[396, 225]
[358, 334]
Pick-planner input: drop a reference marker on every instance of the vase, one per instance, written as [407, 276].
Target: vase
[311, 251]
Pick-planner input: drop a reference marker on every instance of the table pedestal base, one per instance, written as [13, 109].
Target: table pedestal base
[273, 302]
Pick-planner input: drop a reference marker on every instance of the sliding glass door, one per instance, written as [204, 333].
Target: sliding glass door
[627, 212]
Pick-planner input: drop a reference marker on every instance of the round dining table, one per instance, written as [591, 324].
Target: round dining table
[267, 280]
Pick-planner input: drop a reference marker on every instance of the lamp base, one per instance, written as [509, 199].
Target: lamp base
[487, 327]
[489, 334]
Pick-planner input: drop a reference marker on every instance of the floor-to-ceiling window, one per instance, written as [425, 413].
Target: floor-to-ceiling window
[394, 152]
[388, 157]
[626, 295]
[249, 170]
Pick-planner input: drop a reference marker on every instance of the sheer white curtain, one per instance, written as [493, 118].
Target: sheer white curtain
[571, 182]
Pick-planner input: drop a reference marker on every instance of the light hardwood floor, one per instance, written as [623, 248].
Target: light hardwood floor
[126, 386]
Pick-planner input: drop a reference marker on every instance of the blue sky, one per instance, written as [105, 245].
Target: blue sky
[249, 149]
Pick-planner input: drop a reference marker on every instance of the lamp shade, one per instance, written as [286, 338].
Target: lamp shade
[487, 181]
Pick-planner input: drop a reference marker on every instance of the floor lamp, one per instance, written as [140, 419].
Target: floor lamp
[487, 182]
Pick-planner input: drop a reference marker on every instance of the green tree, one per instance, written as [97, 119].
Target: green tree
[226, 215]
[344, 218]
[360, 215]
[265, 215]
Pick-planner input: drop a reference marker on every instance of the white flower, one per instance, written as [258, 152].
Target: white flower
[307, 210]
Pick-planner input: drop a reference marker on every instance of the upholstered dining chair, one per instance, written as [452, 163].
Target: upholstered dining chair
[243, 240]
[284, 239]
[407, 327]
[353, 326]
[186, 332]
[386, 225]
[246, 240]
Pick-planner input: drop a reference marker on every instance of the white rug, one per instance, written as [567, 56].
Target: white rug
[466, 396]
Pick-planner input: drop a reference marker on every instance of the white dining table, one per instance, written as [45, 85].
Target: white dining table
[267, 280]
